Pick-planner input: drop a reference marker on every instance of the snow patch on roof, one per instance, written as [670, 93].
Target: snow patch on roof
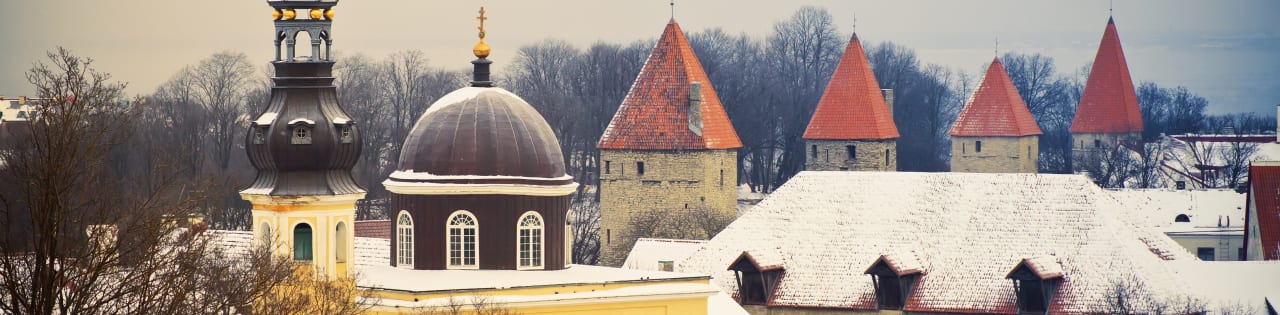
[1214, 210]
[463, 95]
[647, 252]
[266, 119]
[302, 120]
[387, 277]
[341, 120]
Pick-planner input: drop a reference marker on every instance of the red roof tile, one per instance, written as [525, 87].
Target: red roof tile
[655, 113]
[1109, 104]
[852, 107]
[1264, 195]
[996, 109]
[374, 229]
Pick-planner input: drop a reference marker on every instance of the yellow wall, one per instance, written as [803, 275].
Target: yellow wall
[323, 214]
[833, 155]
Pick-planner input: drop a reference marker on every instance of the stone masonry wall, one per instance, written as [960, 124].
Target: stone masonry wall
[1084, 143]
[672, 181]
[999, 154]
[832, 155]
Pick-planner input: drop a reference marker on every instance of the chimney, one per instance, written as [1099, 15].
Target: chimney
[888, 99]
[695, 107]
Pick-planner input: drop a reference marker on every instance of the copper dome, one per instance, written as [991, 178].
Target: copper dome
[476, 139]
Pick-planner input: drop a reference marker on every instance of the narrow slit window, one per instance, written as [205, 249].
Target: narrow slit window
[977, 146]
[851, 152]
[640, 168]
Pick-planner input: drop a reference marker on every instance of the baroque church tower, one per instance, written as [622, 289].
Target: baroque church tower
[995, 132]
[669, 148]
[303, 147]
[852, 128]
[1108, 112]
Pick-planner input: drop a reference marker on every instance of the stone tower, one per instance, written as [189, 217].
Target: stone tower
[303, 147]
[1108, 112]
[669, 148]
[995, 132]
[852, 129]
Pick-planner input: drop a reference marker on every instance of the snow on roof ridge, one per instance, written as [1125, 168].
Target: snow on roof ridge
[302, 120]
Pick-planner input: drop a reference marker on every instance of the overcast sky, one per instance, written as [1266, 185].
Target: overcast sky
[1227, 51]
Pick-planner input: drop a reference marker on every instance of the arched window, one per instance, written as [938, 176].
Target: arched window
[404, 240]
[463, 237]
[265, 230]
[340, 242]
[529, 237]
[1182, 218]
[302, 242]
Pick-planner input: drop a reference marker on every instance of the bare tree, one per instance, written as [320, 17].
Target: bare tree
[1049, 97]
[222, 84]
[1239, 150]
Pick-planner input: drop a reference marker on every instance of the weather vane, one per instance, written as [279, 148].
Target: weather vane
[997, 46]
[673, 9]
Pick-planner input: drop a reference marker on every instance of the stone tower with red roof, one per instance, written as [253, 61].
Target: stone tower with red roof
[1108, 112]
[670, 147]
[995, 132]
[852, 129]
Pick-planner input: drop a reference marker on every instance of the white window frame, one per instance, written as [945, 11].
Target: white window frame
[404, 240]
[540, 243]
[450, 228]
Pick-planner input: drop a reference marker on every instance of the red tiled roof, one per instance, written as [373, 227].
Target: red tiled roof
[852, 107]
[1264, 195]
[374, 228]
[1109, 104]
[996, 109]
[655, 113]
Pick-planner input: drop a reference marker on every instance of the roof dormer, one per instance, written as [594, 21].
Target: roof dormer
[756, 281]
[893, 277]
[1035, 281]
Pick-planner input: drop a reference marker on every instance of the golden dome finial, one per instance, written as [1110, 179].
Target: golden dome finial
[481, 49]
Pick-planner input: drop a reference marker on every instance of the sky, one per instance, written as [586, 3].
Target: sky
[1227, 51]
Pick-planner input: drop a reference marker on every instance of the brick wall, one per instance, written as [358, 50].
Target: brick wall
[998, 155]
[833, 155]
[672, 181]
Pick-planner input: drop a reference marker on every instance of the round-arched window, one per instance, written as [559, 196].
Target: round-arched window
[529, 238]
[463, 240]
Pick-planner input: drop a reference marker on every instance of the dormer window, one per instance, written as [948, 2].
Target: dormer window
[346, 136]
[1035, 281]
[1182, 218]
[300, 131]
[259, 134]
[301, 135]
[756, 283]
[893, 277]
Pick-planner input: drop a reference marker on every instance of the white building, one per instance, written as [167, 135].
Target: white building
[1208, 223]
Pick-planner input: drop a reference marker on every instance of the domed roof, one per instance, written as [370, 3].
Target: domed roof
[481, 140]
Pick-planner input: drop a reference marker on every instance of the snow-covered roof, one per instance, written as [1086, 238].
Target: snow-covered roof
[407, 280]
[302, 120]
[1209, 211]
[968, 231]
[647, 252]
[1239, 286]
[266, 119]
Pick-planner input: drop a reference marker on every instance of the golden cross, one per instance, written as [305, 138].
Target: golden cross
[481, 18]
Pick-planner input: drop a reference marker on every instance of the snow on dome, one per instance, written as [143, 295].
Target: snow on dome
[968, 231]
[480, 136]
[302, 120]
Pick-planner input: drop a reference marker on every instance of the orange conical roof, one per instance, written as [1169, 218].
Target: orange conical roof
[996, 109]
[1109, 104]
[852, 107]
[655, 113]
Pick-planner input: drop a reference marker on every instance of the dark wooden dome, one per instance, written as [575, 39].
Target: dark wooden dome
[481, 136]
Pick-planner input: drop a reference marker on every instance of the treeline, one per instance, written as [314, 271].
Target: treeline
[770, 86]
